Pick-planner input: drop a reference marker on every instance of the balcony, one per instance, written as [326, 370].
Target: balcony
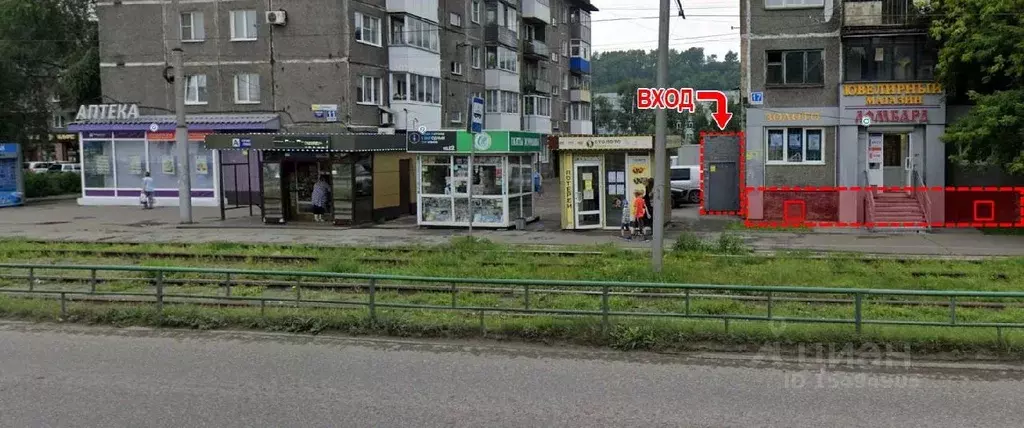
[538, 124]
[579, 65]
[581, 127]
[536, 10]
[421, 8]
[501, 34]
[537, 85]
[579, 95]
[869, 16]
[536, 49]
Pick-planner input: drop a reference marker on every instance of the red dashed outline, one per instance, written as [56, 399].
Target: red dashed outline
[742, 173]
[823, 224]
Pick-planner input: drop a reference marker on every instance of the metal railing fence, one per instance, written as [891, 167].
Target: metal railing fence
[162, 285]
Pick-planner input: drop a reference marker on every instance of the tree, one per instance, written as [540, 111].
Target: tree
[604, 115]
[981, 55]
[686, 69]
[48, 48]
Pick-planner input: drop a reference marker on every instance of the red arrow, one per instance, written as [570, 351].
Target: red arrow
[721, 115]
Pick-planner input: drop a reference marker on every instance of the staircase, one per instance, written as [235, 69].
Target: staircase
[898, 212]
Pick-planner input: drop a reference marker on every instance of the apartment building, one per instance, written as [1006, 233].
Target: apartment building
[359, 65]
[841, 94]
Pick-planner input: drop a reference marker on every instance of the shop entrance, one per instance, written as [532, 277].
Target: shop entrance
[896, 160]
[299, 176]
[588, 197]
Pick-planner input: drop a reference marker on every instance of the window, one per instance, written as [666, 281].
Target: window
[369, 91]
[581, 111]
[795, 145]
[456, 68]
[537, 106]
[889, 59]
[476, 55]
[565, 48]
[792, 4]
[503, 102]
[411, 31]
[413, 87]
[195, 89]
[57, 120]
[192, 29]
[565, 115]
[474, 11]
[580, 82]
[680, 174]
[498, 57]
[580, 49]
[247, 88]
[794, 68]
[499, 13]
[565, 81]
[367, 29]
[455, 19]
[243, 25]
[455, 117]
[399, 87]
[554, 56]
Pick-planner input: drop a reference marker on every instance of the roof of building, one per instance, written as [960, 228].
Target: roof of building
[236, 121]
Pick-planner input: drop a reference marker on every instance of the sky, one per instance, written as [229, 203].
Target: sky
[633, 24]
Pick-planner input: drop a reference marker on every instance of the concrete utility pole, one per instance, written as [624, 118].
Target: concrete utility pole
[660, 135]
[181, 138]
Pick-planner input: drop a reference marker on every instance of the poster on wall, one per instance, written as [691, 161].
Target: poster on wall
[874, 148]
[202, 168]
[135, 165]
[639, 170]
[168, 164]
[102, 163]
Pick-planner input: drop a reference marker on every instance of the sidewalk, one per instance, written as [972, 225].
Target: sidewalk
[66, 221]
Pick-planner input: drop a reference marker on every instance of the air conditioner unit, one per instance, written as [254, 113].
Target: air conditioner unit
[276, 17]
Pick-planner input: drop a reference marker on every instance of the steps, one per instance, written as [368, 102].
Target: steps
[898, 212]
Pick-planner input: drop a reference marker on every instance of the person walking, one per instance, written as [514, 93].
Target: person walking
[536, 182]
[320, 192]
[147, 191]
[649, 207]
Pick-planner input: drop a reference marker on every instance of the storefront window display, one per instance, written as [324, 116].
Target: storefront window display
[502, 189]
[98, 157]
[163, 164]
[131, 163]
[202, 165]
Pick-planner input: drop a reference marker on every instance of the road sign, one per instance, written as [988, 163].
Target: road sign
[756, 98]
[476, 112]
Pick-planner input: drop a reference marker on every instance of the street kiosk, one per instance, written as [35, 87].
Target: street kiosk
[597, 171]
[502, 180]
[12, 178]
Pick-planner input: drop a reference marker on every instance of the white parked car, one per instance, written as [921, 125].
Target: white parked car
[66, 167]
[685, 181]
[37, 166]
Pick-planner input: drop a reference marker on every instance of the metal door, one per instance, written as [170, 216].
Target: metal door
[723, 187]
[588, 196]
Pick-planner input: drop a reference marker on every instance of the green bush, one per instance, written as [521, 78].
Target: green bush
[43, 184]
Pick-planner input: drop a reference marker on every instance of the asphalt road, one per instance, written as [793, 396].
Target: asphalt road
[59, 376]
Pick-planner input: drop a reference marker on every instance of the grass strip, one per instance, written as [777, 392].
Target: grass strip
[623, 333]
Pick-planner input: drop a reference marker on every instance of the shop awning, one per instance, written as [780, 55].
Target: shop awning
[308, 142]
[196, 122]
